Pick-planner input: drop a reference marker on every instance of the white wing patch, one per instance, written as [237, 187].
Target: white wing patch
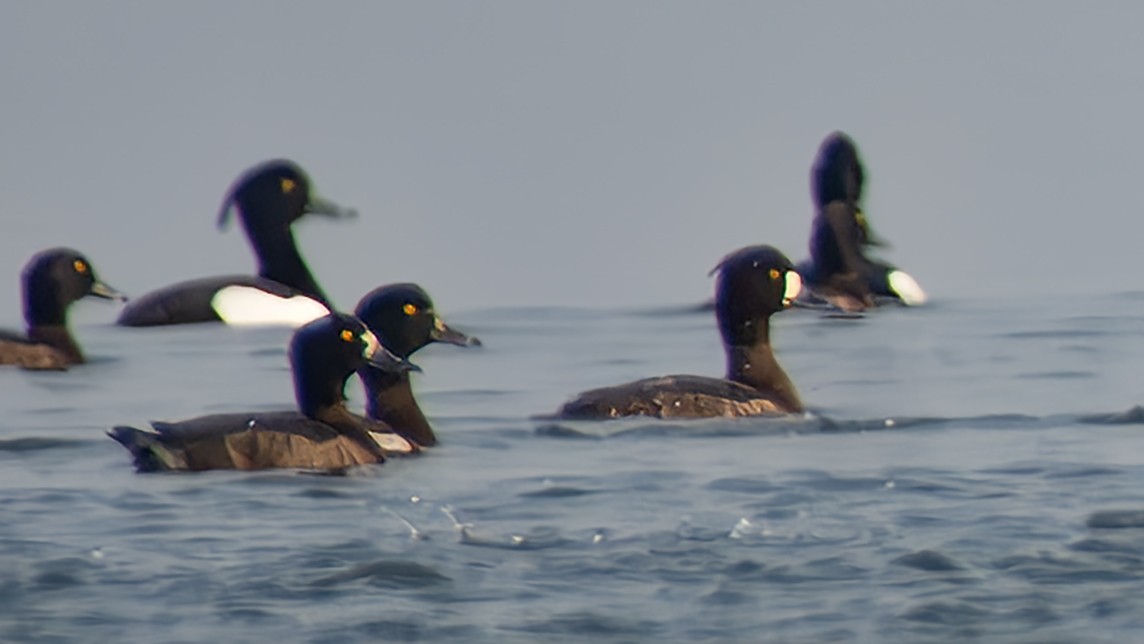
[246, 305]
[792, 288]
[392, 443]
[907, 288]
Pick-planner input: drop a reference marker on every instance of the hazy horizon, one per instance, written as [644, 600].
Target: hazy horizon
[581, 154]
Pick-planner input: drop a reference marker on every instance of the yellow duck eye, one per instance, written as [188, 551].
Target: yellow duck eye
[347, 335]
[775, 273]
[410, 309]
[80, 266]
[288, 185]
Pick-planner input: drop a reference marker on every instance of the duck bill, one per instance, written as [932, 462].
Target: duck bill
[99, 289]
[382, 358]
[444, 333]
[327, 208]
[793, 287]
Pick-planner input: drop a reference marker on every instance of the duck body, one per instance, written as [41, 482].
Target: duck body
[678, 396]
[234, 299]
[253, 441]
[754, 282]
[321, 434]
[269, 198]
[404, 319]
[840, 272]
[52, 280]
[55, 350]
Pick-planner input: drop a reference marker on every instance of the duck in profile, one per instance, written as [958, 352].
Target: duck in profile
[52, 280]
[754, 283]
[839, 271]
[404, 320]
[269, 198]
[321, 435]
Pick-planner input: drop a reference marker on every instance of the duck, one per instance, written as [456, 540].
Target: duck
[753, 283]
[403, 318]
[52, 280]
[268, 198]
[839, 272]
[322, 434]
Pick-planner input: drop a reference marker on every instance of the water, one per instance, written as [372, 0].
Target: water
[960, 478]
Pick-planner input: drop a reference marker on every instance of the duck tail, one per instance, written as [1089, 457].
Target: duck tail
[149, 454]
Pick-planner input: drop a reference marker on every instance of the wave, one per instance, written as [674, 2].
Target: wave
[778, 425]
[36, 443]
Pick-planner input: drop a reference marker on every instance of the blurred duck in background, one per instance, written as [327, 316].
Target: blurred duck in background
[839, 273]
[268, 198]
[52, 280]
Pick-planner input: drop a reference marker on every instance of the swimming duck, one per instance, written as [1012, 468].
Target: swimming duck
[269, 198]
[322, 434]
[52, 280]
[404, 320]
[754, 283]
[839, 272]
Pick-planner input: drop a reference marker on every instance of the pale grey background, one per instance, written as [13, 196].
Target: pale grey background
[575, 153]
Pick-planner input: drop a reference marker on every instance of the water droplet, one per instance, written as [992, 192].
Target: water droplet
[741, 529]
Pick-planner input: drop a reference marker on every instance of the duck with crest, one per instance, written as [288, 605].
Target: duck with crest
[839, 272]
[404, 320]
[753, 283]
[268, 198]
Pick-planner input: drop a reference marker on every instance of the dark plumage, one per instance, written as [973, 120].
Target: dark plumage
[269, 198]
[322, 434]
[403, 318]
[754, 283]
[52, 280]
[837, 174]
[839, 271]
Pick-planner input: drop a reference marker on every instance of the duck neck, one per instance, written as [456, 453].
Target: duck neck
[279, 260]
[349, 425]
[47, 322]
[42, 307]
[389, 398]
[835, 239]
[755, 365]
[320, 394]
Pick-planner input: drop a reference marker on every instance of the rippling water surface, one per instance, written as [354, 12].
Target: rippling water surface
[970, 470]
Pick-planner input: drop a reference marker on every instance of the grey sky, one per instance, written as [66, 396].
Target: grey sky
[575, 153]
